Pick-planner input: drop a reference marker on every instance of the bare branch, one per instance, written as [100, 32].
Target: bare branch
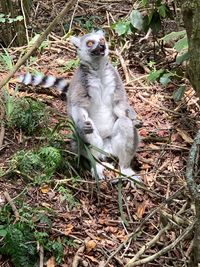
[162, 251]
[38, 42]
[190, 176]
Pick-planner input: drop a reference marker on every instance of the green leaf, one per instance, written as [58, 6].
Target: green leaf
[162, 11]
[3, 232]
[19, 18]
[179, 93]
[165, 79]
[154, 75]
[173, 36]
[144, 2]
[2, 20]
[121, 27]
[136, 19]
[182, 58]
[181, 44]
[154, 21]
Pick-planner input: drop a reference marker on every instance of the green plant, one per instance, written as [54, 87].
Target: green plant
[71, 64]
[181, 44]
[6, 18]
[165, 77]
[67, 195]
[9, 103]
[87, 22]
[2, 172]
[25, 114]
[55, 247]
[6, 60]
[40, 165]
[156, 10]
[18, 242]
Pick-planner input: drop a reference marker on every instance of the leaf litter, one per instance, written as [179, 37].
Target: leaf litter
[93, 222]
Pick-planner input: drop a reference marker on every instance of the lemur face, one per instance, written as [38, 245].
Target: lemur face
[91, 46]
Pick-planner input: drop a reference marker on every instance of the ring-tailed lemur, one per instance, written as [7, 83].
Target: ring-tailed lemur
[97, 102]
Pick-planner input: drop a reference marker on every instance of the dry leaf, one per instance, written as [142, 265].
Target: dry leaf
[68, 229]
[92, 258]
[185, 136]
[51, 262]
[90, 245]
[46, 205]
[144, 132]
[141, 209]
[44, 189]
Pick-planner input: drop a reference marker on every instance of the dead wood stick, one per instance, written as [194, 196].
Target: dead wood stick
[123, 64]
[41, 264]
[77, 257]
[38, 42]
[2, 115]
[192, 161]
[158, 107]
[192, 170]
[150, 243]
[148, 216]
[162, 251]
[10, 201]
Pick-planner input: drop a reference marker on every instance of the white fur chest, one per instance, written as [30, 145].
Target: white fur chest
[101, 91]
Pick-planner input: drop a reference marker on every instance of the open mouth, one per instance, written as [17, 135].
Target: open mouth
[99, 51]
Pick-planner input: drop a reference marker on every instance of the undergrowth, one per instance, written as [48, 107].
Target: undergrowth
[19, 243]
[25, 114]
[38, 165]
[20, 240]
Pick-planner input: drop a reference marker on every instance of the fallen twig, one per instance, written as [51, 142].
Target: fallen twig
[158, 107]
[162, 251]
[2, 115]
[77, 257]
[192, 171]
[41, 264]
[149, 244]
[131, 236]
[10, 201]
[123, 64]
[192, 160]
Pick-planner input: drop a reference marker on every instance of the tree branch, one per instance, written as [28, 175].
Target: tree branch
[38, 42]
[162, 251]
[192, 159]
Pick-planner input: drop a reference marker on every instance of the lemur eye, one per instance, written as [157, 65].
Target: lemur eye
[102, 41]
[90, 43]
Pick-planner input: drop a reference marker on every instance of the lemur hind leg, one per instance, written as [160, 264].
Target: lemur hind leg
[124, 142]
[95, 140]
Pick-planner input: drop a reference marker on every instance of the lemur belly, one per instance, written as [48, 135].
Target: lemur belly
[101, 92]
[103, 118]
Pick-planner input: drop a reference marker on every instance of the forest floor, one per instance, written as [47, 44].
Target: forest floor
[94, 228]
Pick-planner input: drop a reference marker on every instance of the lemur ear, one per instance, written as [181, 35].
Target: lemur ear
[75, 41]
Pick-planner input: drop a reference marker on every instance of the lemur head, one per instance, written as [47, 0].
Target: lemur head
[91, 46]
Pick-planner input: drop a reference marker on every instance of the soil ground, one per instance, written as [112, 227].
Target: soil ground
[166, 136]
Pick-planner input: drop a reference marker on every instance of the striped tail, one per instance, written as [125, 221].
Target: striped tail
[45, 81]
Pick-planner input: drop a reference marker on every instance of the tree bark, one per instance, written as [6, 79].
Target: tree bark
[192, 178]
[191, 17]
[14, 33]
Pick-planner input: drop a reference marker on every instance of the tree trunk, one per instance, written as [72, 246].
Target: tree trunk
[191, 17]
[14, 33]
